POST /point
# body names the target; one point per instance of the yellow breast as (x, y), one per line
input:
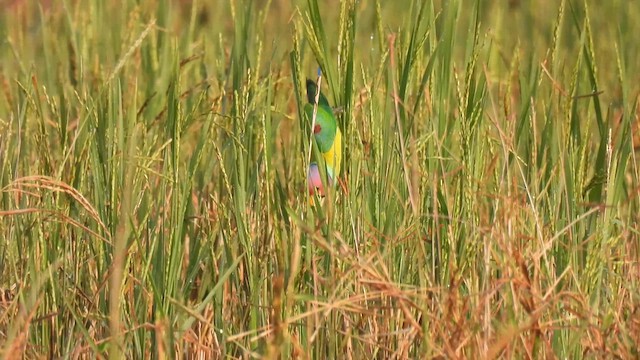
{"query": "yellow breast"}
(333, 157)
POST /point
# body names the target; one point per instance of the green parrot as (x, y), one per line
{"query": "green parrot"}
(328, 137)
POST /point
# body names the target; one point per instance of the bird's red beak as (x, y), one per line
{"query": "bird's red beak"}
(316, 129)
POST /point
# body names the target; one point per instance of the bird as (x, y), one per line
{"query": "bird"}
(328, 137)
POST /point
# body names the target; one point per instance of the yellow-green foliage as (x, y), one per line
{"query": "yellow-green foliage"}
(153, 157)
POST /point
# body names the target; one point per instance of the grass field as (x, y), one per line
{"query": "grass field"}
(153, 158)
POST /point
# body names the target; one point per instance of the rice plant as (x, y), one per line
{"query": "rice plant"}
(153, 180)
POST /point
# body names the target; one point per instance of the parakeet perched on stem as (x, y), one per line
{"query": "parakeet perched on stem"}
(328, 137)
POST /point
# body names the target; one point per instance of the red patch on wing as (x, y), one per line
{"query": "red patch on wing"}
(316, 129)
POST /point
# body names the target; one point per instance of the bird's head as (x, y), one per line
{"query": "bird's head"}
(312, 90)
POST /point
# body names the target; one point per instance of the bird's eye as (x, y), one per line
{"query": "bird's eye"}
(316, 129)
